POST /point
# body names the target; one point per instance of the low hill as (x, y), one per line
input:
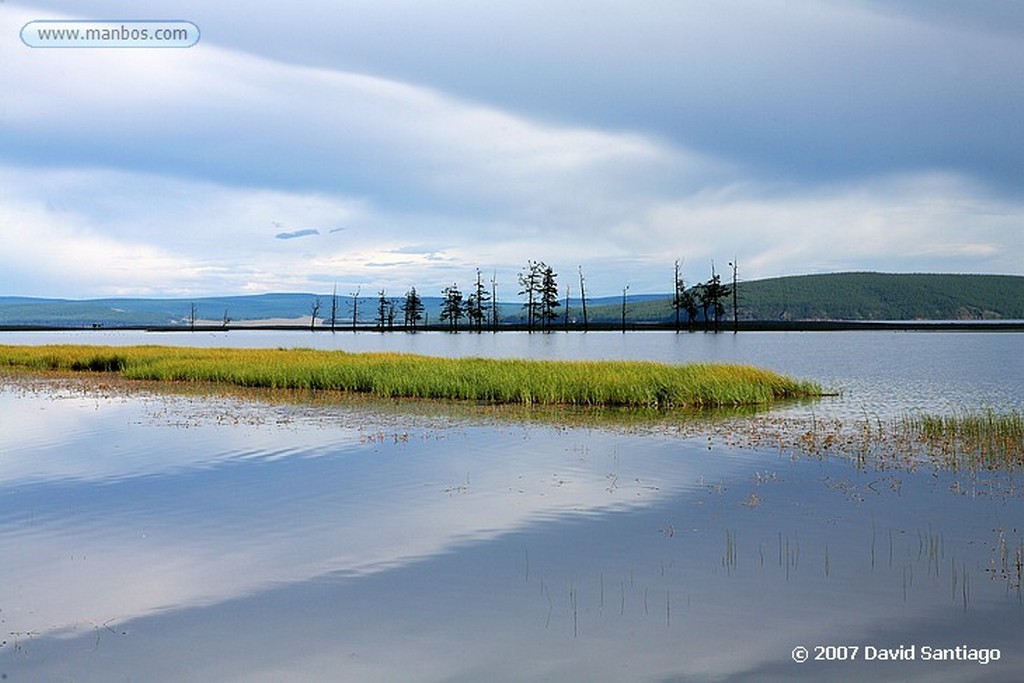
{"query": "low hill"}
(149, 312)
(882, 296)
(835, 296)
(858, 296)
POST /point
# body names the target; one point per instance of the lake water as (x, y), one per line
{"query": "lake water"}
(201, 537)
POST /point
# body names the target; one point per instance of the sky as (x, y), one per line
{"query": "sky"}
(385, 144)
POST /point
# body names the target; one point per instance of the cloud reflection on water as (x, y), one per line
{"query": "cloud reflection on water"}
(148, 508)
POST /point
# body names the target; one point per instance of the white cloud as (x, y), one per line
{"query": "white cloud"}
(170, 172)
(192, 238)
(106, 232)
(925, 222)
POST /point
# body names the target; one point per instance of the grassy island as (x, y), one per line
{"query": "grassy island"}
(591, 383)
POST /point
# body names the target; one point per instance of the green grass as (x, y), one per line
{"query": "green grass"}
(974, 439)
(528, 382)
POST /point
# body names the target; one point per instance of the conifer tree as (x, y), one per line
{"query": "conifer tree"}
(476, 303)
(688, 302)
(530, 280)
(412, 309)
(382, 310)
(548, 296)
(452, 307)
(712, 294)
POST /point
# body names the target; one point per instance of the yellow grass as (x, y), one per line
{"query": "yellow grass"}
(598, 383)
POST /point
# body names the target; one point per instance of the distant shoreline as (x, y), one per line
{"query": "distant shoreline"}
(724, 327)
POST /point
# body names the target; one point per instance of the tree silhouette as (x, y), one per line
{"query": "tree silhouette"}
(355, 307)
(548, 296)
(711, 297)
(452, 307)
(734, 264)
(476, 303)
(314, 311)
(412, 309)
(624, 290)
(678, 293)
(688, 301)
(382, 309)
(334, 308)
(707, 301)
(565, 313)
(494, 302)
(530, 281)
(702, 300)
(583, 299)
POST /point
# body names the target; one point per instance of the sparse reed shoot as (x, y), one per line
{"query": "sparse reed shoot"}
(972, 440)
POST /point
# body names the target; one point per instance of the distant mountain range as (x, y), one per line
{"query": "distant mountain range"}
(836, 296)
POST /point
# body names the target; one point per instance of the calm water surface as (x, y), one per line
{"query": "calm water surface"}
(157, 537)
(881, 372)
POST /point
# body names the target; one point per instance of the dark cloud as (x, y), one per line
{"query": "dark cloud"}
(297, 233)
(803, 92)
(811, 94)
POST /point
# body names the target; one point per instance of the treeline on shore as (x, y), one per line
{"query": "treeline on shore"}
(709, 305)
(806, 301)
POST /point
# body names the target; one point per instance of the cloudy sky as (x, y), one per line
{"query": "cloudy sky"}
(390, 143)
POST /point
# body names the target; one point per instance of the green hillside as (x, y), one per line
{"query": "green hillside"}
(884, 296)
(860, 296)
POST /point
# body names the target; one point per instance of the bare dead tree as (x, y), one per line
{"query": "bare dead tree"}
(355, 307)
(334, 307)
(735, 298)
(494, 302)
(583, 299)
(624, 290)
(567, 308)
(314, 311)
(678, 292)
